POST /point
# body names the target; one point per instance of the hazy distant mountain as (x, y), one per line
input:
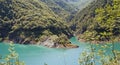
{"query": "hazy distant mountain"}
(66, 8)
(79, 4)
(59, 7)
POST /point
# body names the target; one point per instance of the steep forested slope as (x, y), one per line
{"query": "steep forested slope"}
(66, 8)
(82, 18)
(99, 21)
(62, 8)
(29, 21)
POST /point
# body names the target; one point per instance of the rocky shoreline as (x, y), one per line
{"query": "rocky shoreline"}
(57, 45)
(47, 43)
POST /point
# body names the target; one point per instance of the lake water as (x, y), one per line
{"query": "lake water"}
(38, 55)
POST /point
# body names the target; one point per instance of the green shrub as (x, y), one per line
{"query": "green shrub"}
(12, 58)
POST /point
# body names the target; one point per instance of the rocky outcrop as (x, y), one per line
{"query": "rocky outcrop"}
(51, 44)
(48, 42)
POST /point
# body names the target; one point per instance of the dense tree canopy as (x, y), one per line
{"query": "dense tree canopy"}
(102, 24)
(28, 20)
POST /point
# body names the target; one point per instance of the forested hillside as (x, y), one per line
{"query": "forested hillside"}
(29, 21)
(99, 21)
(44, 32)
(66, 9)
(60, 8)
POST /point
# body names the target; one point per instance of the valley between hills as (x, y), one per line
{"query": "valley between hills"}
(59, 32)
(53, 22)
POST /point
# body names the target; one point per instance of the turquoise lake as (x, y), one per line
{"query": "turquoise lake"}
(38, 55)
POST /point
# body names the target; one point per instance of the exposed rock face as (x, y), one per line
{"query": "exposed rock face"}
(48, 43)
(51, 44)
